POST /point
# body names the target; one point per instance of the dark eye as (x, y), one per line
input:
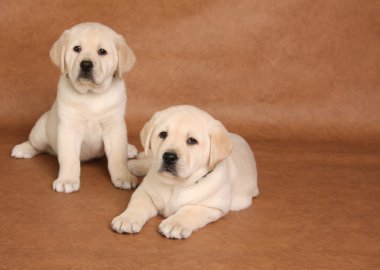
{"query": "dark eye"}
(191, 141)
(102, 52)
(163, 135)
(77, 49)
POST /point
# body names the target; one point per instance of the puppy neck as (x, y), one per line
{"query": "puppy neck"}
(204, 176)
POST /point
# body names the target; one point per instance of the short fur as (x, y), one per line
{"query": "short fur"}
(87, 117)
(213, 176)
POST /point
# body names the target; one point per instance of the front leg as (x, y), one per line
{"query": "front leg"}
(116, 148)
(69, 142)
(139, 210)
(188, 219)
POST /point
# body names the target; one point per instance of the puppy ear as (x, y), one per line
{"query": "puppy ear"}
(126, 57)
(57, 51)
(147, 131)
(221, 144)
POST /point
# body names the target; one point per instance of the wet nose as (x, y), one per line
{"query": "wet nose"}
(170, 158)
(86, 65)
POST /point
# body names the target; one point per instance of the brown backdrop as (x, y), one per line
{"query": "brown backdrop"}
(302, 74)
(301, 70)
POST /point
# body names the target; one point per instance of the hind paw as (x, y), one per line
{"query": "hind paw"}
(24, 150)
(132, 151)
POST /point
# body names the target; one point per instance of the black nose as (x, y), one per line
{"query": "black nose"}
(169, 158)
(86, 66)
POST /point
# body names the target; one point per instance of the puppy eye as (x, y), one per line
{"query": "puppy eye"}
(77, 49)
(191, 141)
(163, 135)
(102, 52)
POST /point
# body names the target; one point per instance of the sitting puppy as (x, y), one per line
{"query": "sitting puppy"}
(197, 173)
(87, 117)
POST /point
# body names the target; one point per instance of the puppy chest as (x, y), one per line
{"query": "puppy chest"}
(92, 144)
(168, 201)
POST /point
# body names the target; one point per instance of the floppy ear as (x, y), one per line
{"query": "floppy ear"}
(57, 51)
(126, 57)
(221, 145)
(147, 131)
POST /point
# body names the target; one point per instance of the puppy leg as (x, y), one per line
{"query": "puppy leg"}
(68, 147)
(188, 219)
(140, 209)
(37, 142)
(116, 148)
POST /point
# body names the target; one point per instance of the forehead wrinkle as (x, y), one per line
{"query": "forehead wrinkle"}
(182, 124)
(91, 36)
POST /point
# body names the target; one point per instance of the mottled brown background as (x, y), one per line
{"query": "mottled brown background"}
(299, 79)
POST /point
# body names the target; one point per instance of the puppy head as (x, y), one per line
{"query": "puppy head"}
(91, 54)
(186, 143)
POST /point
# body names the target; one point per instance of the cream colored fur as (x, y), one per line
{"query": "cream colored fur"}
(87, 117)
(212, 177)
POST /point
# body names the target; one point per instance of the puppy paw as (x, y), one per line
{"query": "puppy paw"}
(66, 186)
(126, 181)
(138, 167)
(141, 155)
(132, 151)
(126, 224)
(171, 228)
(24, 150)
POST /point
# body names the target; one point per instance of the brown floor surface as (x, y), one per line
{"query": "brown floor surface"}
(318, 209)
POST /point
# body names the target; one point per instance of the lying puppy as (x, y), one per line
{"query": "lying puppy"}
(198, 172)
(87, 117)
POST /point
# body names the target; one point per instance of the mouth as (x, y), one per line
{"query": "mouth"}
(85, 77)
(168, 169)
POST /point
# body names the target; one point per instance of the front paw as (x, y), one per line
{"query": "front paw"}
(125, 180)
(172, 228)
(126, 224)
(66, 186)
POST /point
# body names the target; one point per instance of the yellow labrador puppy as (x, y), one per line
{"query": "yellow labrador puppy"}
(87, 117)
(196, 174)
